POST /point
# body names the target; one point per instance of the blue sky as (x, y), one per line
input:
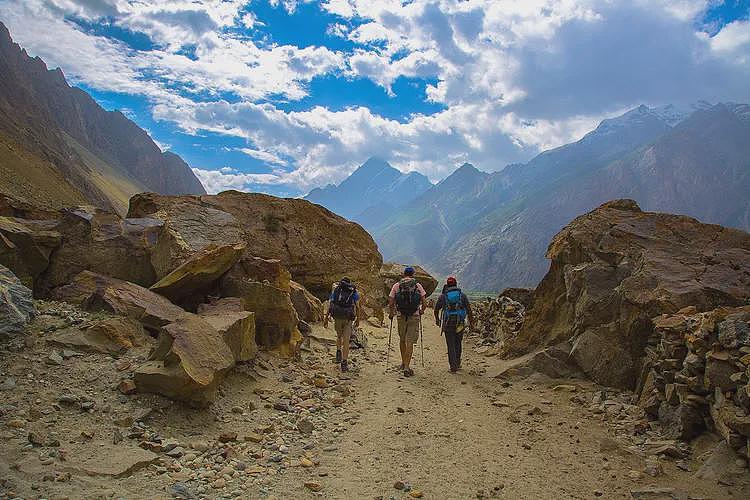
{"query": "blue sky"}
(281, 96)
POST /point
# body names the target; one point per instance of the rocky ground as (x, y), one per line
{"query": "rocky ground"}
(297, 429)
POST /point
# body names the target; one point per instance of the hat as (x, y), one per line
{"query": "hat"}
(346, 280)
(409, 271)
(451, 281)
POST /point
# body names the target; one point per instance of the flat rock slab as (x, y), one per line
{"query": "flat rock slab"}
(96, 458)
(85, 340)
(107, 460)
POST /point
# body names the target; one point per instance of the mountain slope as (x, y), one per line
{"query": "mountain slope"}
(700, 168)
(431, 226)
(374, 189)
(59, 147)
(496, 233)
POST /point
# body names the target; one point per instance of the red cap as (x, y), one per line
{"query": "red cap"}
(451, 281)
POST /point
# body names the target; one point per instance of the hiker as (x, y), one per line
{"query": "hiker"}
(342, 307)
(408, 298)
(455, 309)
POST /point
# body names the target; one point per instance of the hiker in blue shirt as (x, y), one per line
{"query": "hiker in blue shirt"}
(342, 307)
(455, 308)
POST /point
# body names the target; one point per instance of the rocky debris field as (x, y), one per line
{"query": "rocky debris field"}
(72, 427)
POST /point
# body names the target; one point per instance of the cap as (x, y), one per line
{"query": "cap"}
(409, 271)
(451, 281)
(346, 280)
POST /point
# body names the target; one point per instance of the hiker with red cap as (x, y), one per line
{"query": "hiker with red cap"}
(451, 311)
(408, 298)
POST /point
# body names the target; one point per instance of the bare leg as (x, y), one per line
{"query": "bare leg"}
(344, 343)
(407, 352)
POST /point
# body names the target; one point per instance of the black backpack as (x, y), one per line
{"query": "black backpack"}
(408, 297)
(342, 301)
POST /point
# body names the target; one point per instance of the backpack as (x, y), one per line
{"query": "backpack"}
(454, 311)
(408, 297)
(342, 301)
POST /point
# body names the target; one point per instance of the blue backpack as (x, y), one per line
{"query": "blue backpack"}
(454, 311)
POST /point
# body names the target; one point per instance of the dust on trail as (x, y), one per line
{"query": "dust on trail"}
(463, 435)
(451, 441)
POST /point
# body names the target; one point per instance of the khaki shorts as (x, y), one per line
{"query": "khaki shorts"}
(343, 327)
(408, 328)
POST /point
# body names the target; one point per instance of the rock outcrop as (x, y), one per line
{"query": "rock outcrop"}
(264, 287)
(697, 370)
(102, 242)
(193, 355)
(26, 245)
(307, 305)
(616, 268)
(498, 320)
(315, 245)
(391, 272)
(16, 304)
(190, 281)
(236, 325)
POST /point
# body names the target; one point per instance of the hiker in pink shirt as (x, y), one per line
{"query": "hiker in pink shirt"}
(408, 298)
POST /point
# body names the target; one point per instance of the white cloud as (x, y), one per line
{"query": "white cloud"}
(223, 64)
(216, 181)
(263, 156)
(733, 39)
(514, 76)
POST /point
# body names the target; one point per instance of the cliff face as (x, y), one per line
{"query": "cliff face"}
(615, 269)
(315, 245)
(60, 148)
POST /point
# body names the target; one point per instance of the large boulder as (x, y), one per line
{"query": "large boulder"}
(315, 245)
(109, 335)
(236, 325)
(617, 267)
(25, 247)
(192, 356)
(102, 242)
(390, 273)
(275, 317)
(16, 304)
(94, 291)
(195, 276)
(307, 305)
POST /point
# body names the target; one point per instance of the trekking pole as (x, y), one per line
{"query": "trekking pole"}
(421, 338)
(388, 354)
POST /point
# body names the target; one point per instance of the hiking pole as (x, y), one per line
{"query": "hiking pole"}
(388, 354)
(421, 338)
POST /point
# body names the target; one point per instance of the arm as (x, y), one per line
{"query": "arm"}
(392, 301)
(438, 306)
(423, 302)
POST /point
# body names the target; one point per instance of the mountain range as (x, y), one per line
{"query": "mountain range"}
(491, 229)
(374, 189)
(59, 148)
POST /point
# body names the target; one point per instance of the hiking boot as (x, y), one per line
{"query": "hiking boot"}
(454, 369)
(400, 367)
(344, 366)
(338, 355)
(408, 372)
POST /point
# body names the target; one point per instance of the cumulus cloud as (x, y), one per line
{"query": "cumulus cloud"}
(513, 77)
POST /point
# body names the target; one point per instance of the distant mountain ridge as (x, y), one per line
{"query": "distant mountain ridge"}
(371, 191)
(59, 147)
(492, 229)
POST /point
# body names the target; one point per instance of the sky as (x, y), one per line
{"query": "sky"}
(281, 96)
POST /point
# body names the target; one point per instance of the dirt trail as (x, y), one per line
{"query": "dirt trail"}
(67, 432)
(452, 442)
